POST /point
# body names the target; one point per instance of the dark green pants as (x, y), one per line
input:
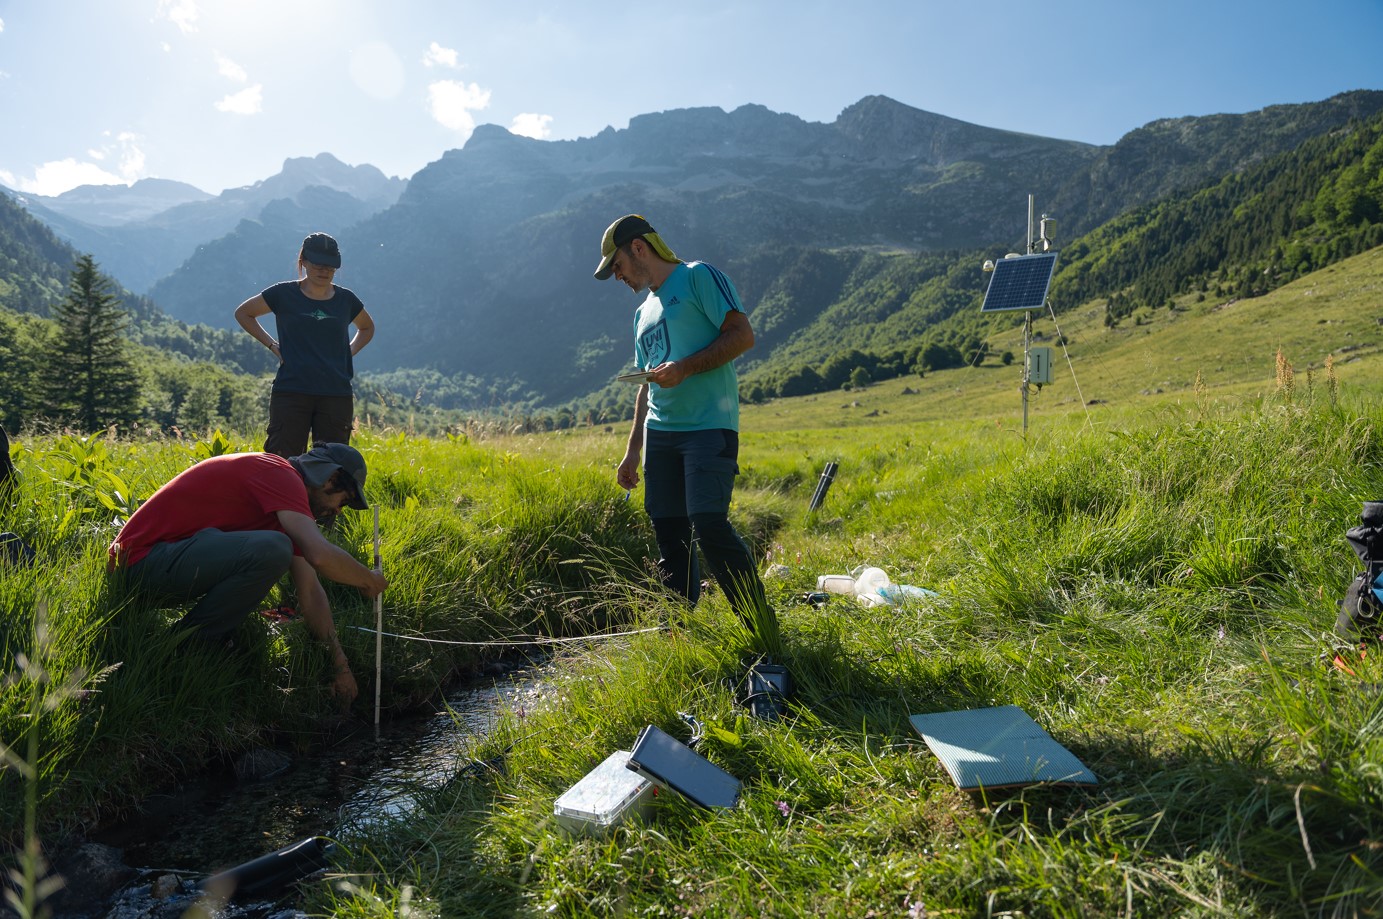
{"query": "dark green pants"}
(227, 575)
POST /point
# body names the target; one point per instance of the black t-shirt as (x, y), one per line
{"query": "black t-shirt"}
(314, 339)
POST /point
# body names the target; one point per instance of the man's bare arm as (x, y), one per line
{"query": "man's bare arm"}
(627, 474)
(316, 613)
(329, 560)
(736, 337)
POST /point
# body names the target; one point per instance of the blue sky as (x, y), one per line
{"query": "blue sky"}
(218, 93)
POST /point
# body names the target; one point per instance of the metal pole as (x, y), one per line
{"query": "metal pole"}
(1027, 335)
(379, 624)
(1030, 247)
(1027, 365)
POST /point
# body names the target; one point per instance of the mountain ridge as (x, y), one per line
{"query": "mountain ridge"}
(139, 252)
(480, 269)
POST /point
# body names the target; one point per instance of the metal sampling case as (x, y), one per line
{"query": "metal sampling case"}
(607, 795)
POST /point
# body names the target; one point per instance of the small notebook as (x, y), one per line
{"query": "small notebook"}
(638, 376)
(999, 748)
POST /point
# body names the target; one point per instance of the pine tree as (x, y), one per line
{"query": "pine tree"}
(89, 380)
(17, 363)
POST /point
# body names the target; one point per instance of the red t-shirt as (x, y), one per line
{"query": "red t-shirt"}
(232, 493)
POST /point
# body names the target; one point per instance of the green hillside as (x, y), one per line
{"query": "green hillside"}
(1153, 358)
(1239, 237)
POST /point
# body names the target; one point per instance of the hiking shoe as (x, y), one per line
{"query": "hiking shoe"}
(279, 614)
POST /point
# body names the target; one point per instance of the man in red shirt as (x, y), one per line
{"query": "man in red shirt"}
(223, 532)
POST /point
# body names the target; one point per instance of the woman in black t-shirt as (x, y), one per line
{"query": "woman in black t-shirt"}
(315, 348)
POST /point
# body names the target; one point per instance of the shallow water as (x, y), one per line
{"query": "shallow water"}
(217, 822)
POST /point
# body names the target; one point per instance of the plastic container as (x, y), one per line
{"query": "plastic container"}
(871, 581)
(902, 593)
(606, 796)
(836, 583)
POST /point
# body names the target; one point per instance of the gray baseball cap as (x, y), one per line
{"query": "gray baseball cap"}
(321, 462)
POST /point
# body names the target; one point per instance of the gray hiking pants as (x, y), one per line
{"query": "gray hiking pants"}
(227, 574)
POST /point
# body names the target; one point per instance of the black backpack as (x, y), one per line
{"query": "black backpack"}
(1360, 609)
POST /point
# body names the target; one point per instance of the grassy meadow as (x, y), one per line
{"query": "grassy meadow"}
(1152, 577)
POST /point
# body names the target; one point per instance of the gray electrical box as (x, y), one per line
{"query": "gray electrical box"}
(1040, 366)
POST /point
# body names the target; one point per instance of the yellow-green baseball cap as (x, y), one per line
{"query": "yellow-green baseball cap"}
(624, 231)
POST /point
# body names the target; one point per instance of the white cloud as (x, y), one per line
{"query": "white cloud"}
(2, 25)
(131, 157)
(230, 69)
(529, 124)
(437, 56)
(249, 101)
(451, 104)
(58, 176)
(182, 13)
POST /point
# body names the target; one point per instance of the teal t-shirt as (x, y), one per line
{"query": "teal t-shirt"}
(680, 318)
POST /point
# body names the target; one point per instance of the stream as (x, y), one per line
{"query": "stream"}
(218, 821)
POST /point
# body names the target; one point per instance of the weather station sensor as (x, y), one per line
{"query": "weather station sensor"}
(1040, 366)
(1019, 283)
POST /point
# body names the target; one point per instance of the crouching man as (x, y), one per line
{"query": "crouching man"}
(223, 532)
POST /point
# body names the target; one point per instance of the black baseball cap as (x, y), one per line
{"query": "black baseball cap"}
(321, 249)
(320, 463)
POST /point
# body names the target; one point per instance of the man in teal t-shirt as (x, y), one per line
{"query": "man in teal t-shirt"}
(687, 333)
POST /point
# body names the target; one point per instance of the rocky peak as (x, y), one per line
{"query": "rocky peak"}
(365, 182)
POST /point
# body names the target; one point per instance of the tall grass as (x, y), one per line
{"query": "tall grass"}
(1158, 597)
(1158, 594)
(479, 545)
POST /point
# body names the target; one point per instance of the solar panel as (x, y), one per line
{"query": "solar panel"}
(1019, 283)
